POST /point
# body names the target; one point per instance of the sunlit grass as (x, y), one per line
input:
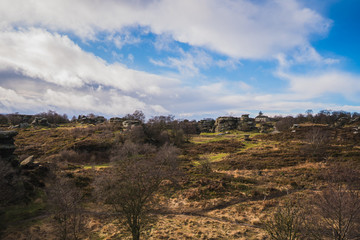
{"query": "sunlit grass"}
(214, 137)
(96, 166)
(215, 157)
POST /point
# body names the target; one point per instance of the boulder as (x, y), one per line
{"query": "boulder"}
(206, 125)
(7, 146)
(90, 119)
(24, 125)
(39, 121)
(128, 124)
(8, 134)
(116, 120)
(28, 162)
(223, 124)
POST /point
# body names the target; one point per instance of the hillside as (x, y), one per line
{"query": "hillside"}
(226, 187)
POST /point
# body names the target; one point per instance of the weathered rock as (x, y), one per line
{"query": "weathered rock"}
(39, 121)
(354, 120)
(223, 124)
(24, 125)
(341, 122)
(246, 126)
(245, 117)
(128, 124)
(206, 125)
(30, 174)
(265, 128)
(28, 162)
(116, 120)
(7, 146)
(8, 134)
(90, 119)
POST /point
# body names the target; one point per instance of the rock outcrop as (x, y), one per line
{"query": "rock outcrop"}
(116, 120)
(28, 174)
(90, 119)
(39, 121)
(128, 124)
(206, 125)
(223, 124)
(7, 146)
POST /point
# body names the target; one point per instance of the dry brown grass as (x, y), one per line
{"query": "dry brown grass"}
(247, 182)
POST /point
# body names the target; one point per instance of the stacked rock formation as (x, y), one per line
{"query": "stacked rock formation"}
(7, 146)
(39, 121)
(129, 124)
(206, 125)
(91, 119)
(223, 124)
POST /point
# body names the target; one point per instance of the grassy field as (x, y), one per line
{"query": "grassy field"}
(229, 186)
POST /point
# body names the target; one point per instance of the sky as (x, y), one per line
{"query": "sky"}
(190, 58)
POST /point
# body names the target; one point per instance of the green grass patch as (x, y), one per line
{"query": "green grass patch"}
(106, 165)
(248, 145)
(215, 157)
(214, 137)
(208, 134)
(207, 139)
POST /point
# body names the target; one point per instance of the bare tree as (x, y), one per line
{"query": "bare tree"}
(335, 214)
(137, 115)
(286, 223)
(285, 123)
(335, 211)
(318, 140)
(65, 201)
(135, 178)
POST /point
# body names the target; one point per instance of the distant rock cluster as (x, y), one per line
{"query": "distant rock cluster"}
(243, 123)
(90, 119)
(39, 121)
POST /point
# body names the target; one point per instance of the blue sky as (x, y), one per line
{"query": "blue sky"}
(192, 59)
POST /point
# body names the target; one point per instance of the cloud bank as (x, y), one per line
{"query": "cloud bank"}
(240, 29)
(42, 67)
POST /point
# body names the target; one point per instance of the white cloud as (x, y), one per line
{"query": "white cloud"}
(190, 63)
(229, 63)
(124, 38)
(76, 79)
(244, 86)
(54, 58)
(303, 55)
(239, 29)
(318, 84)
(9, 100)
(70, 79)
(130, 57)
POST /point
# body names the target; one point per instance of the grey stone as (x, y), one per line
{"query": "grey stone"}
(128, 124)
(206, 125)
(24, 125)
(223, 124)
(116, 120)
(8, 134)
(39, 121)
(27, 161)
